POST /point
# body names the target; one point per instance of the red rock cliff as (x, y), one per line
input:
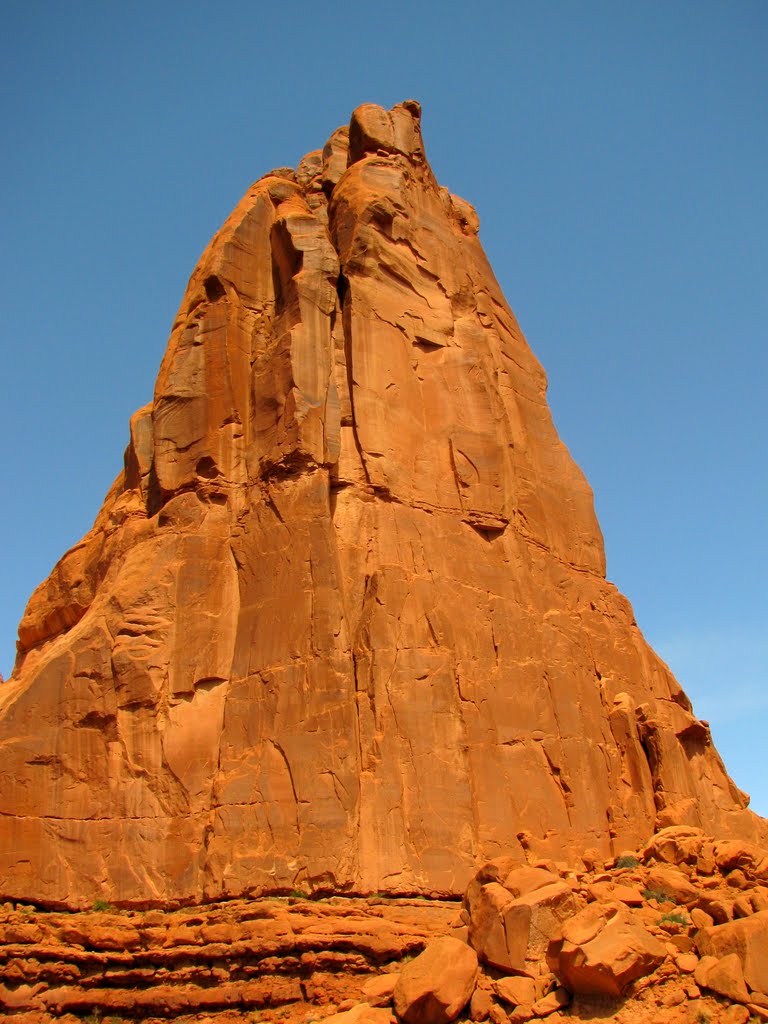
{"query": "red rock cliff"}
(342, 622)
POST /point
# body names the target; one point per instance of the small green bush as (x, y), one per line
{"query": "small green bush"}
(659, 895)
(674, 917)
(102, 906)
(627, 861)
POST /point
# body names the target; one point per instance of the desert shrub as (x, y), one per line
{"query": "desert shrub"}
(659, 895)
(102, 906)
(627, 861)
(674, 917)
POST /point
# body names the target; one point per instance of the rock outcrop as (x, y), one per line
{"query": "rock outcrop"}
(342, 622)
(619, 950)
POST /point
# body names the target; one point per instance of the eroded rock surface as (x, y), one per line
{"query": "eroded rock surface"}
(342, 622)
(290, 960)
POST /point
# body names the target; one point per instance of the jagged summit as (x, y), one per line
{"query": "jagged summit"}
(342, 622)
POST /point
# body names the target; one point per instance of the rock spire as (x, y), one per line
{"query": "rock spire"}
(342, 622)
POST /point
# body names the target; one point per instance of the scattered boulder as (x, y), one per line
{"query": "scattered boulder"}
(673, 883)
(748, 938)
(516, 990)
(523, 880)
(549, 907)
(480, 1004)
(363, 1013)
(726, 977)
(600, 954)
(677, 844)
(551, 1002)
(518, 920)
(379, 990)
(735, 853)
(498, 927)
(436, 986)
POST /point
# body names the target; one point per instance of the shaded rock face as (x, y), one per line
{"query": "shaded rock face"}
(342, 622)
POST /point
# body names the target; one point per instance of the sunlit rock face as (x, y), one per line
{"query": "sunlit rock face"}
(342, 622)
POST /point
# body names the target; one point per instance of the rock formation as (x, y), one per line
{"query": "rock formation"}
(342, 622)
(675, 933)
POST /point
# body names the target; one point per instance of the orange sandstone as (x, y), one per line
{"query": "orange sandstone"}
(342, 623)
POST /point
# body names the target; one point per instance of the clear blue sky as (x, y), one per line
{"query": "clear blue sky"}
(618, 156)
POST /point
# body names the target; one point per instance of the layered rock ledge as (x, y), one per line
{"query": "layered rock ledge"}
(674, 933)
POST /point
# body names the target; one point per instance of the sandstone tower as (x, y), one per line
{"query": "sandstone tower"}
(342, 621)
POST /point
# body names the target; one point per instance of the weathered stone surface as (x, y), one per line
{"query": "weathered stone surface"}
(436, 986)
(515, 990)
(342, 622)
(549, 908)
(523, 880)
(480, 1004)
(726, 977)
(673, 883)
(294, 960)
(498, 927)
(247, 954)
(619, 952)
(363, 1013)
(748, 938)
(379, 991)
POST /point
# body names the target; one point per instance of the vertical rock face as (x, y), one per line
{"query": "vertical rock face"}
(342, 622)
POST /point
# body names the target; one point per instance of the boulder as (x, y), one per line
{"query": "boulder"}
(600, 954)
(677, 886)
(436, 986)
(379, 991)
(480, 1004)
(498, 926)
(523, 880)
(676, 844)
(362, 1013)
(516, 990)
(550, 906)
(724, 976)
(748, 938)
(552, 1002)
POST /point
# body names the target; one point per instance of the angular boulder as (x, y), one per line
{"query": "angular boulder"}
(550, 906)
(436, 986)
(379, 990)
(674, 884)
(498, 926)
(363, 1013)
(600, 954)
(748, 939)
(726, 977)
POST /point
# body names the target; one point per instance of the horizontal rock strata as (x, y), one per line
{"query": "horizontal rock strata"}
(616, 949)
(342, 623)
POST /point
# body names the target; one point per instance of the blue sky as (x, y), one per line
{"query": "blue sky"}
(617, 156)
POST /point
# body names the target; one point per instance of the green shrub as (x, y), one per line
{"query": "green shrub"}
(627, 861)
(102, 906)
(659, 895)
(674, 917)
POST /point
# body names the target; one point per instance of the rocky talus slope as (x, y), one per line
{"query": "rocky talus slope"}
(676, 933)
(342, 623)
